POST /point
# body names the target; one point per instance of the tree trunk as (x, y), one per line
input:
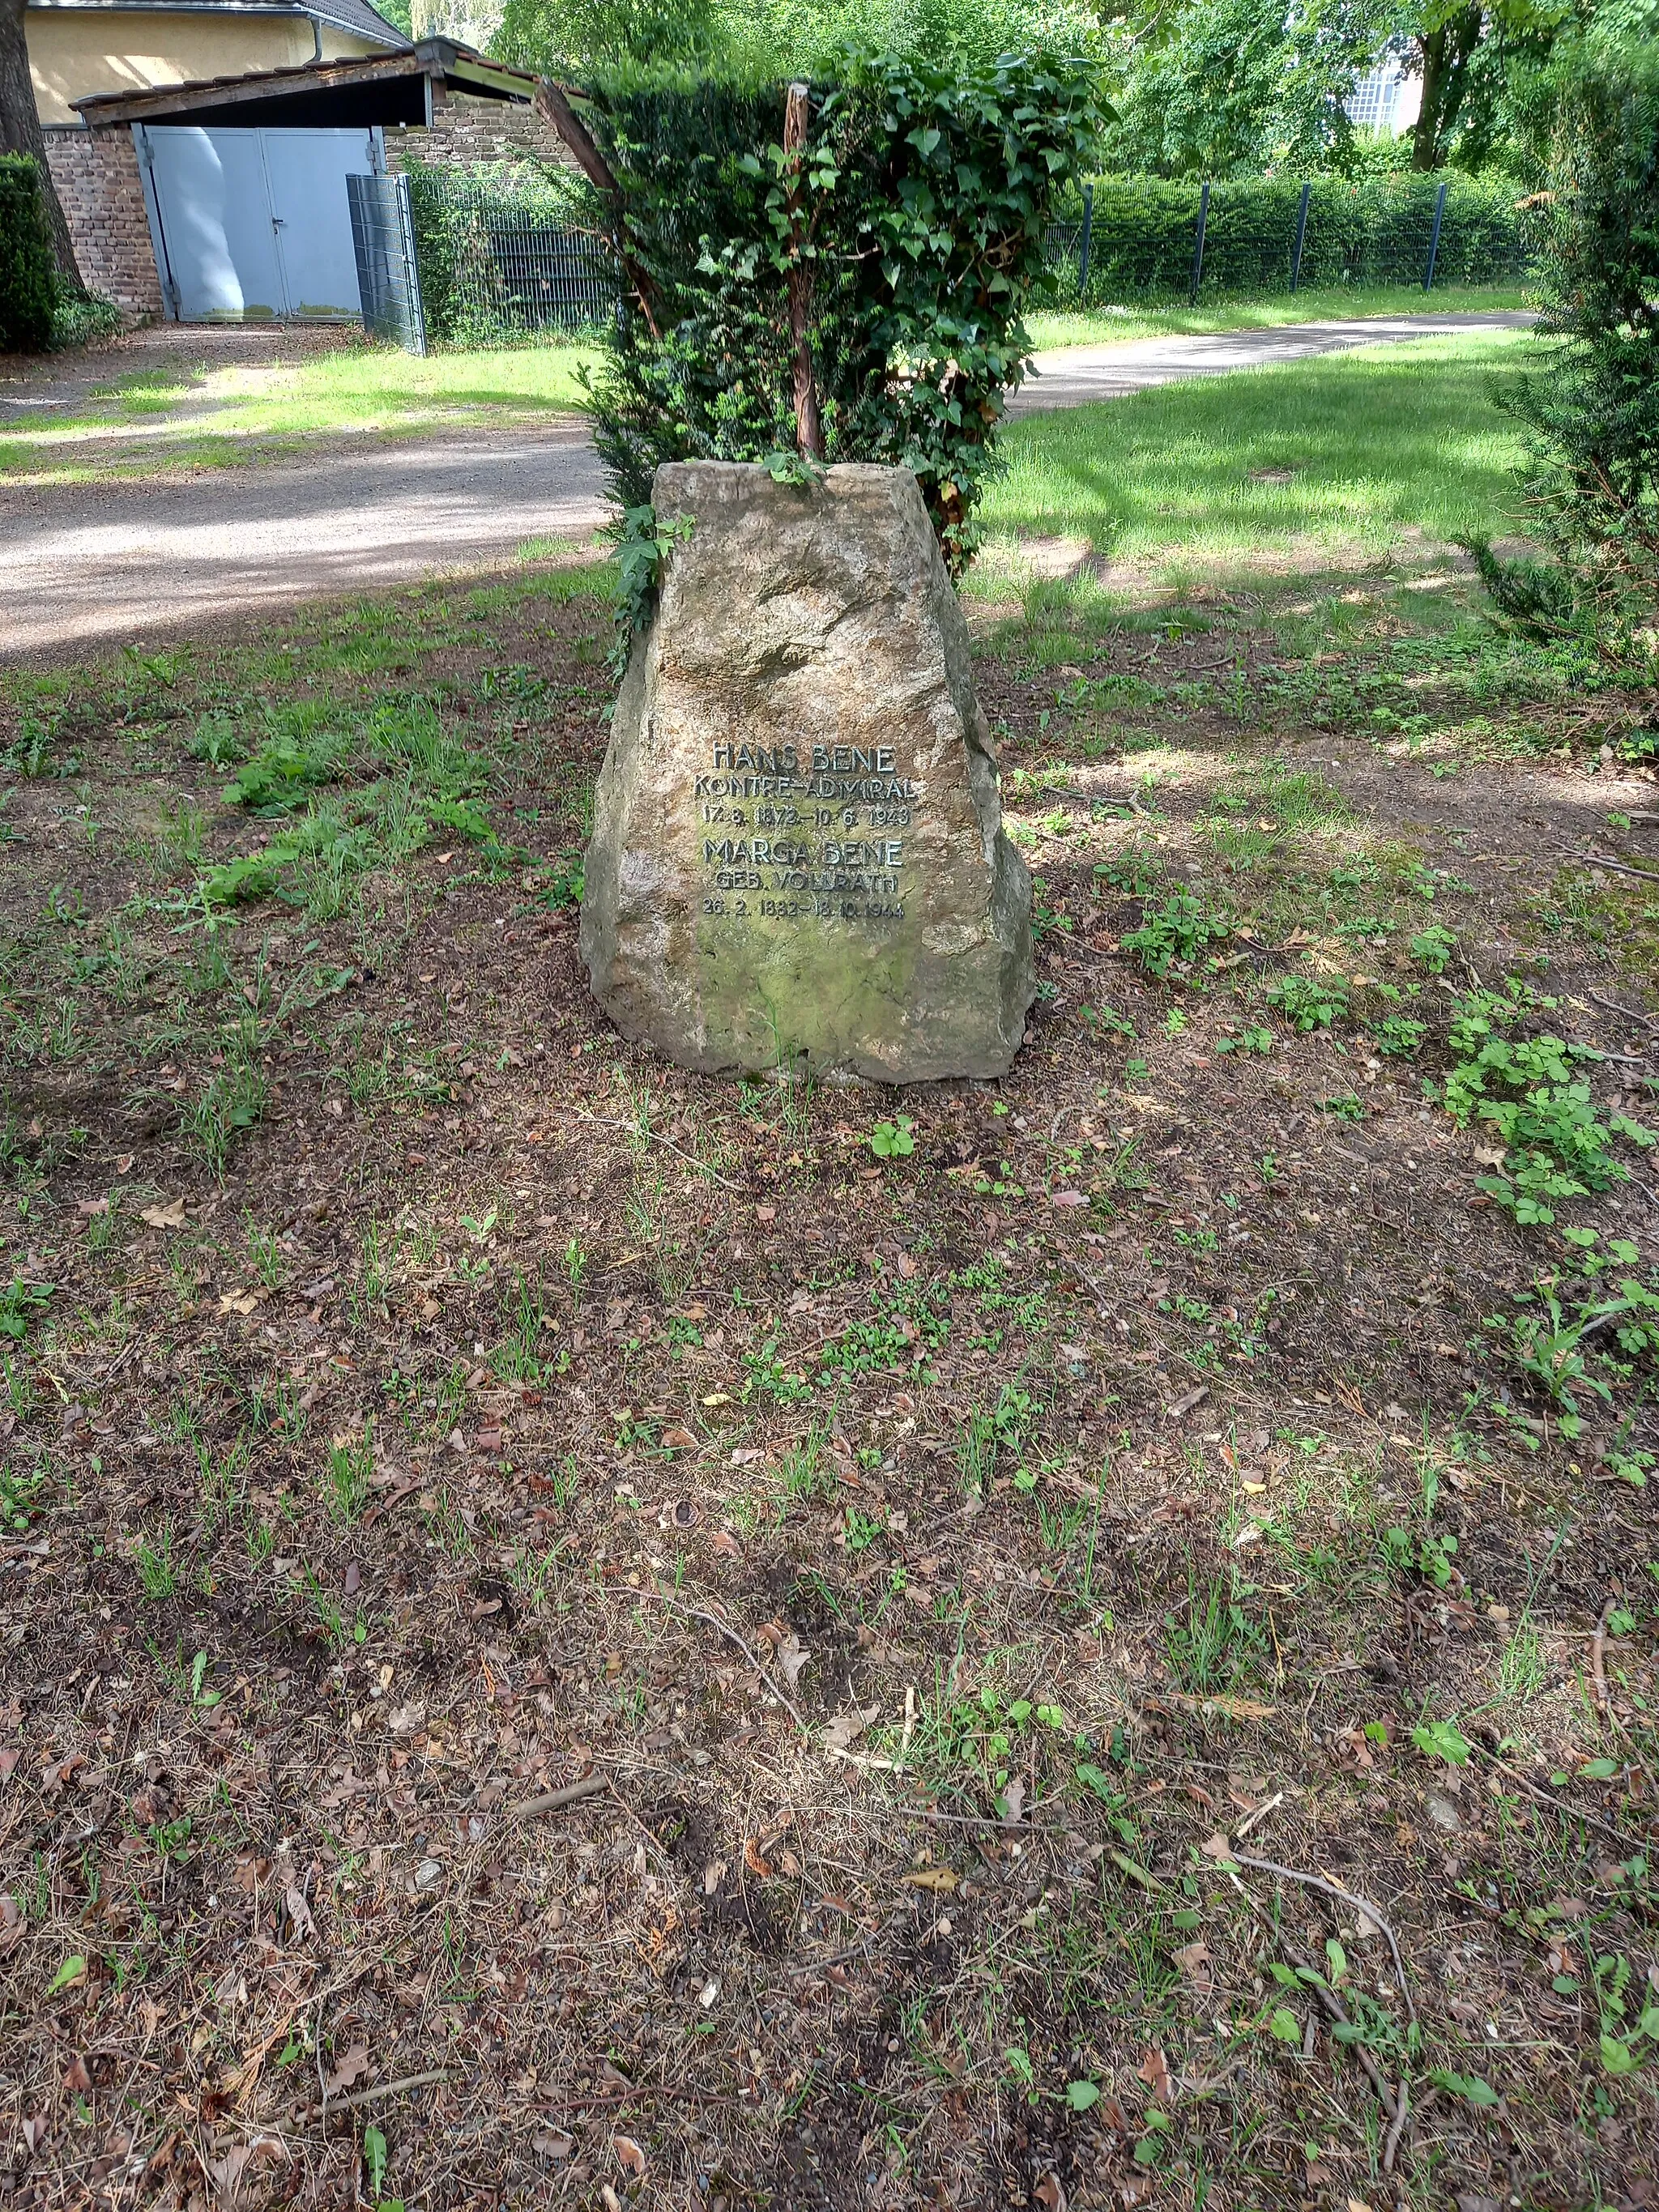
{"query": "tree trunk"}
(1445, 62)
(809, 427)
(20, 132)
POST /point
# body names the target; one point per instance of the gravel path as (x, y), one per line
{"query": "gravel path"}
(85, 565)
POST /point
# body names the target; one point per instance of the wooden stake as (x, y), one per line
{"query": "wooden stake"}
(809, 428)
(553, 105)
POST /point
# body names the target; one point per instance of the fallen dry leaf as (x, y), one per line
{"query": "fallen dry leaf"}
(1223, 1707)
(299, 1912)
(1154, 2071)
(847, 1728)
(1193, 1960)
(171, 1216)
(34, 2131)
(350, 2071)
(226, 2173)
(1049, 2194)
(553, 2142)
(792, 1656)
(629, 2155)
(938, 1878)
(76, 2077)
(678, 1440)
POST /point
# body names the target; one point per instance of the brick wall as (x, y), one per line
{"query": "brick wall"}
(466, 132)
(96, 173)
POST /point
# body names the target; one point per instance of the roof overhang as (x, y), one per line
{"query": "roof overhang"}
(364, 89)
(317, 11)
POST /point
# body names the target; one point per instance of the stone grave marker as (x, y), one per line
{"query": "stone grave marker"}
(798, 858)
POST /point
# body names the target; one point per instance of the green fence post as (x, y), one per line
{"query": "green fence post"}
(1434, 240)
(1301, 233)
(1198, 244)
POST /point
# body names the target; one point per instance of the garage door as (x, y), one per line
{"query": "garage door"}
(253, 225)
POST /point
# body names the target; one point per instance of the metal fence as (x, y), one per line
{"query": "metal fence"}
(388, 269)
(496, 267)
(1142, 238)
(459, 258)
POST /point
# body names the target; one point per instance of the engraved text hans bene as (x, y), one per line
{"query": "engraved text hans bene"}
(784, 833)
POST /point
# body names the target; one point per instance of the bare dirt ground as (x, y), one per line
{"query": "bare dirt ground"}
(570, 1633)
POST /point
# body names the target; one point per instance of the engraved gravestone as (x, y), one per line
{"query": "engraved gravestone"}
(798, 853)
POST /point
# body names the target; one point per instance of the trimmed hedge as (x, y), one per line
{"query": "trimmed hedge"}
(29, 268)
(873, 276)
(1369, 230)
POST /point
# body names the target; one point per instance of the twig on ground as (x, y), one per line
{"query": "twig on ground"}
(1402, 2114)
(1343, 1897)
(387, 2090)
(1617, 868)
(1599, 1658)
(1260, 1813)
(700, 1613)
(551, 1800)
(632, 1129)
(1326, 1996)
(1542, 1797)
(1628, 1013)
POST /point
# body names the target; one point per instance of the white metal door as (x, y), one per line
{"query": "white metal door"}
(218, 251)
(306, 172)
(253, 225)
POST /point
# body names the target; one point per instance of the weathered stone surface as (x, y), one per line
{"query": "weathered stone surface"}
(798, 853)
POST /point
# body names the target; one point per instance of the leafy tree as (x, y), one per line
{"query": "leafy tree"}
(1222, 87)
(1461, 49)
(1591, 416)
(584, 38)
(759, 41)
(20, 128)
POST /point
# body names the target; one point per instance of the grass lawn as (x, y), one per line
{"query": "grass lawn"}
(1336, 459)
(574, 1634)
(1108, 325)
(185, 412)
(199, 414)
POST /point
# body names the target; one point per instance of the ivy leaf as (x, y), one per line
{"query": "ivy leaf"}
(1082, 2095)
(1440, 1740)
(1469, 2087)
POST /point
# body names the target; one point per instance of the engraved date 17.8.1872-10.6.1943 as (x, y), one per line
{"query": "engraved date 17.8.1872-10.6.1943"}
(792, 833)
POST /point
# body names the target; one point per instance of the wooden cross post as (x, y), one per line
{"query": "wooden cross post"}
(809, 428)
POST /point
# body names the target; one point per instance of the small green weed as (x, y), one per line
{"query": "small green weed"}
(345, 1480)
(894, 1140)
(1308, 1002)
(1174, 934)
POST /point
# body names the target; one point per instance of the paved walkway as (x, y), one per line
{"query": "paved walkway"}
(1081, 373)
(85, 565)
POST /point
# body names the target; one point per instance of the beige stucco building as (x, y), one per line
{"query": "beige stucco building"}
(78, 47)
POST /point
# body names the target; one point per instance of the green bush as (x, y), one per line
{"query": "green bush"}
(28, 271)
(916, 214)
(1364, 230)
(1591, 414)
(81, 317)
(469, 230)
